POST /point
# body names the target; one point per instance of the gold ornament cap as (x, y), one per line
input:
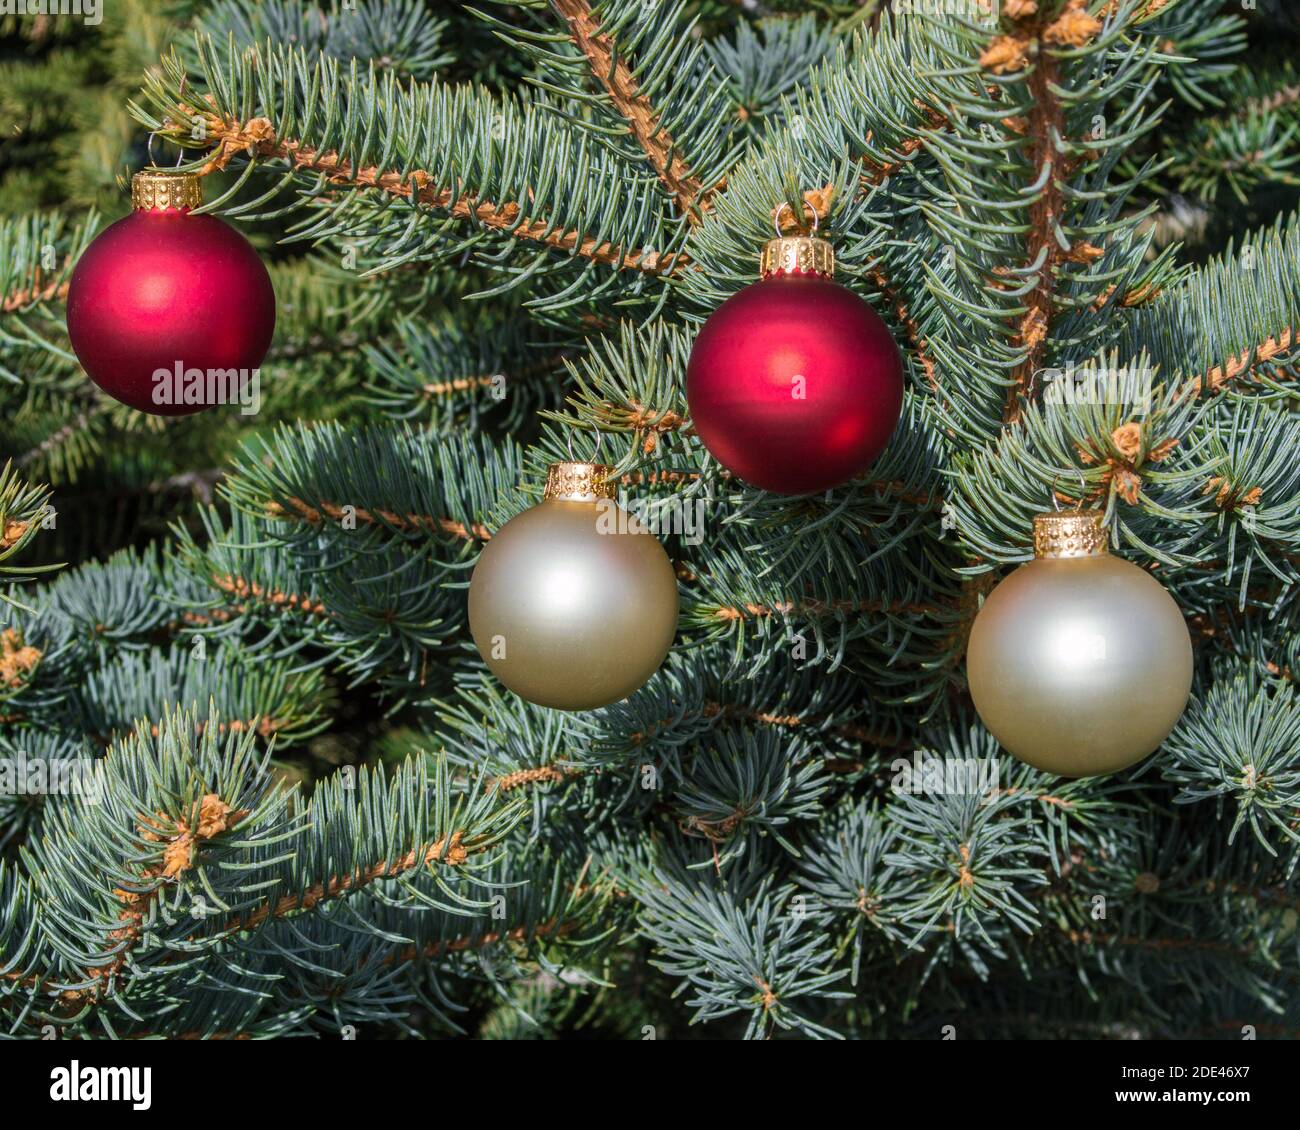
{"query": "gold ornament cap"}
(797, 254)
(578, 482)
(1070, 533)
(160, 191)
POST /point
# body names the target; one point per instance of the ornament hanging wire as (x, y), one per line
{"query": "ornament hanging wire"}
(1056, 499)
(776, 220)
(180, 153)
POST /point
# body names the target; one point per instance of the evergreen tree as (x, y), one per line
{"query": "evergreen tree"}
(304, 806)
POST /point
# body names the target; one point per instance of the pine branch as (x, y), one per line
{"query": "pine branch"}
(23, 507)
(449, 851)
(916, 339)
(208, 800)
(256, 136)
(37, 254)
(821, 608)
(1245, 305)
(52, 291)
(1043, 249)
(402, 36)
(1243, 366)
(1045, 128)
(613, 73)
(296, 508)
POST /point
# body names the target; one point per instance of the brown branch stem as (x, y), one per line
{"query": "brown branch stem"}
(257, 137)
(625, 92)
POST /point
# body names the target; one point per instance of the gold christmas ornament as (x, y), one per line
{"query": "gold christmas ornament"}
(1079, 662)
(571, 604)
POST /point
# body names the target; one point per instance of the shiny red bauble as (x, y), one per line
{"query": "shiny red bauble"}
(166, 292)
(795, 384)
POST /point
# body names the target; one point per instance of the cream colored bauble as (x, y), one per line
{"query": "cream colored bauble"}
(1079, 662)
(571, 604)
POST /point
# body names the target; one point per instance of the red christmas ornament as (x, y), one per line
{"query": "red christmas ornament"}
(170, 312)
(794, 383)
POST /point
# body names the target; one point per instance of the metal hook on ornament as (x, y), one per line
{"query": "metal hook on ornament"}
(1083, 490)
(180, 153)
(776, 220)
